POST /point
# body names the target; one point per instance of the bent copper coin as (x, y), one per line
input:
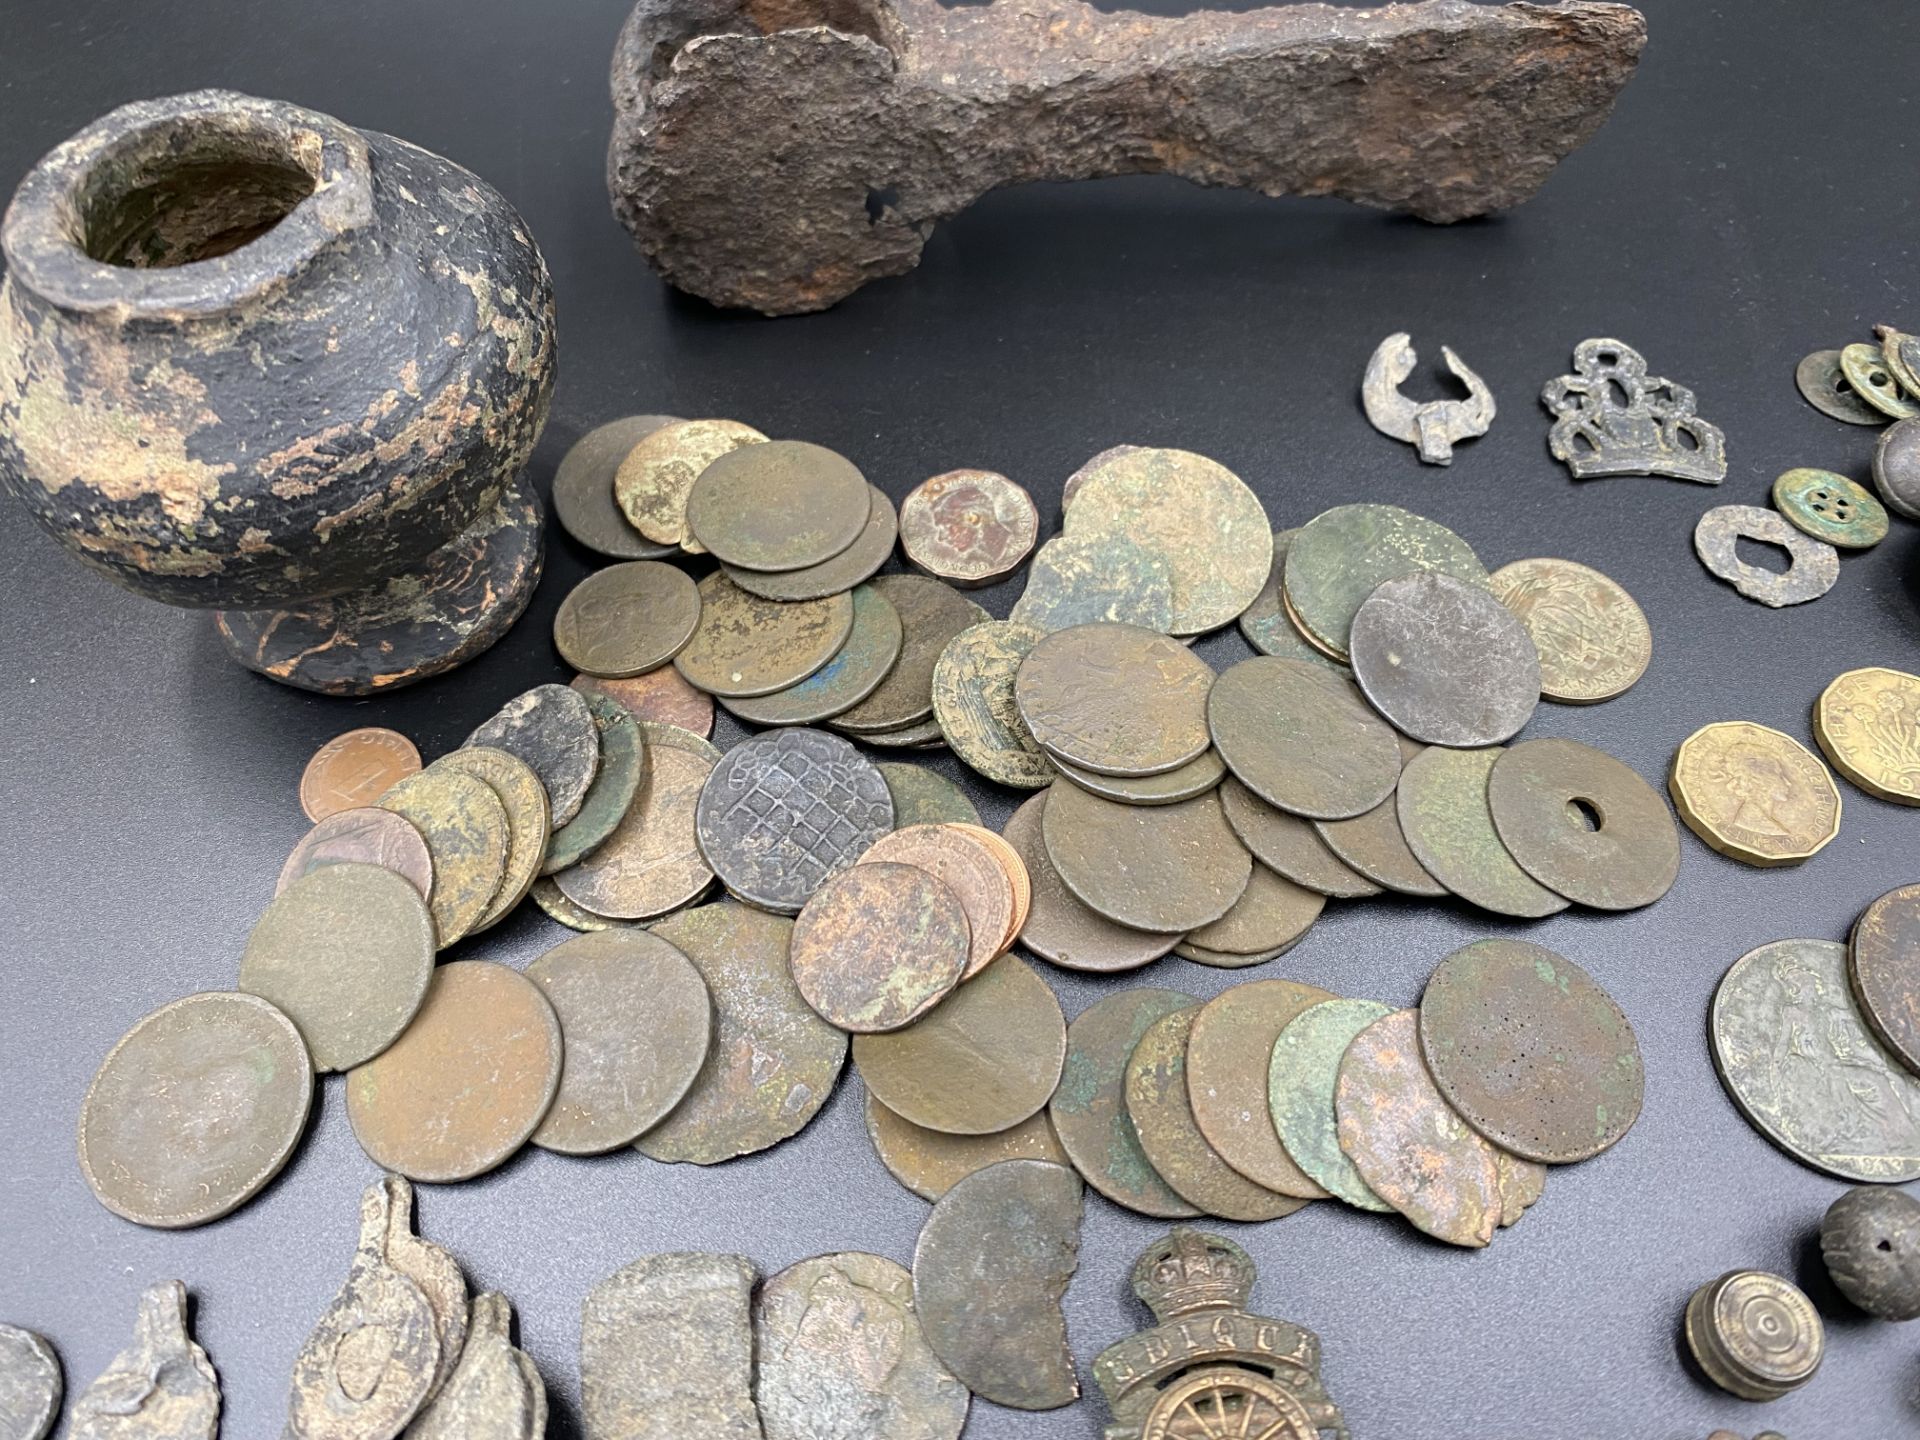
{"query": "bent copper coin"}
(1227, 959)
(1876, 382)
(194, 1110)
(855, 671)
(365, 836)
(583, 499)
(1592, 639)
(666, 1350)
(655, 477)
(1340, 557)
(850, 567)
(773, 1061)
(1445, 661)
(1267, 624)
(1301, 1079)
(652, 860)
(1896, 468)
(1075, 581)
(1301, 738)
(495, 1393)
(921, 797)
(626, 619)
(1814, 565)
(878, 946)
(1291, 846)
(1883, 970)
(1163, 1118)
(1831, 507)
(747, 646)
(345, 953)
(1089, 1107)
(551, 728)
(780, 814)
(1229, 1051)
(973, 699)
(529, 820)
(469, 1081)
(1531, 1051)
(1060, 927)
(354, 770)
(973, 873)
(661, 695)
(161, 1387)
(930, 1162)
(839, 1355)
(1196, 777)
(30, 1385)
(1115, 699)
(968, 527)
(1409, 1146)
(1448, 824)
(1269, 918)
(931, 613)
(986, 1058)
(989, 1272)
(1825, 386)
(1583, 824)
(623, 759)
(780, 506)
(549, 897)
(636, 1022)
(1162, 868)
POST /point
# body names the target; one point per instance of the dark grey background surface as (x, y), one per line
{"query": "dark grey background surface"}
(1753, 199)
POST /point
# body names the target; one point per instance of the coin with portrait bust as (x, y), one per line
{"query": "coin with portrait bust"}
(1754, 794)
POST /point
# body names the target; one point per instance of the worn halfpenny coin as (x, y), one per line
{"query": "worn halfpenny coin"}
(583, 500)
(1754, 794)
(1196, 777)
(973, 699)
(1341, 556)
(969, 527)
(1301, 738)
(1583, 824)
(931, 613)
(1228, 1055)
(1060, 926)
(651, 863)
(1443, 810)
(872, 649)
(366, 836)
(1374, 845)
(529, 821)
(781, 506)
(746, 646)
(354, 770)
(972, 870)
(1076, 581)
(627, 619)
(551, 728)
(1267, 625)
(879, 945)
(1302, 1075)
(1593, 640)
(1271, 916)
(654, 478)
(1883, 968)
(925, 797)
(850, 567)
(1115, 699)
(661, 695)
(931, 1162)
(1290, 846)
(1445, 661)
(1162, 868)
(623, 761)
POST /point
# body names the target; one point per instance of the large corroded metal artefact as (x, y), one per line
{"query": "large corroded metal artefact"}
(779, 154)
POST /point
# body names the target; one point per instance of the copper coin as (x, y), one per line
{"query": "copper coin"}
(1883, 971)
(626, 619)
(1583, 824)
(1340, 557)
(971, 871)
(781, 506)
(1089, 1109)
(1594, 641)
(524, 799)
(773, 1062)
(654, 479)
(930, 1163)
(353, 770)
(1079, 478)
(662, 695)
(858, 562)
(968, 527)
(1531, 1051)
(465, 827)
(1227, 959)
(652, 861)
(924, 735)
(922, 797)
(878, 946)
(468, 1082)
(1060, 927)
(1162, 1115)
(872, 647)
(748, 646)
(623, 761)
(549, 897)
(1077, 581)
(931, 613)
(1268, 624)
(1164, 868)
(1827, 389)
(1196, 777)
(1015, 870)
(1302, 738)
(1290, 846)
(1229, 1051)
(973, 699)
(985, 1058)
(583, 489)
(367, 836)
(1271, 916)
(1444, 814)
(1445, 661)
(1301, 1080)
(636, 1021)
(1374, 845)
(551, 728)
(1115, 699)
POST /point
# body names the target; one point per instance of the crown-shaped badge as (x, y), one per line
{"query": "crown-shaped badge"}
(1615, 419)
(1189, 1272)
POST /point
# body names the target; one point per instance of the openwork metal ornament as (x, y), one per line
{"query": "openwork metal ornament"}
(1435, 426)
(1615, 419)
(1209, 1369)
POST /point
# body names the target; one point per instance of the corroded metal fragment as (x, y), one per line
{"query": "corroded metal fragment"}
(1435, 425)
(162, 1387)
(30, 1385)
(495, 1393)
(1813, 569)
(1613, 418)
(666, 1351)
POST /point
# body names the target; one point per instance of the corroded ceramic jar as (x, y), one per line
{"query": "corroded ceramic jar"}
(254, 359)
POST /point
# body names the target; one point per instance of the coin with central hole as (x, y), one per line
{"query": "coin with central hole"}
(985, 1058)
(1831, 507)
(1301, 738)
(651, 863)
(1883, 968)
(627, 619)
(1161, 868)
(1445, 661)
(878, 946)
(1896, 468)
(745, 646)
(1593, 640)
(1531, 1051)
(781, 506)
(872, 647)
(1826, 388)
(969, 527)
(355, 769)
(1290, 846)
(1583, 824)
(849, 568)
(654, 478)
(973, 699)
(1301, 1079)
(369, 836)
(525, 801)
(465, 827)
(1340, 557)
(1813, 568)
(1060, 927)
(930, 1163)
(960, 860)
(931, 614)
(1444, 814)
(1873, 380)
(1115, 699)
(551, 728)
(1228, 1054)
(583, 489)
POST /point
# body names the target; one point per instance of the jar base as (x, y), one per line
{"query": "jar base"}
(453, 606)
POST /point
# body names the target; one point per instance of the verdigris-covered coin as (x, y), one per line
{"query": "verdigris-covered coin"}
(1229, 1051)
(355, 769)
(495, 1393)
(1184, 782)
(1826, 387)
(839, 1355)
(345, 953)
(550, 898)
(366, 836)
(1076, 581)
(1883, 969)
(529, 820)
(468, 1082)
(850, 567)
(1902, 354)
(1868, 724)
(1896, 468)
(1583, 824)
(1445, 661)
(773, 1061)
(969, 527)
(661, 695)
(465, 827)
(1115, 699)
(666, 1350)
(1089, 1108)
(879, 945)
(872, 647)
(989, 1272)
(1341, 556)
(1266, 623)
(635, 1022)
(161, 1387)
(30, 1385)
(1754, 794)
(1162, 868)
(1444, 814)
(654, 478)
(583, 498)
(1060, 926)
(781, 506)
(623, 759)
(1301, 1080)
(1813, 565)
(1870, 1241)
(1843, 1105)
(747, 646)
(1163, 1119)
(626, 619)
(1530, 1051)
(1755, 1335)
(1831, 507)
(973, 699)
(1093, 467)
(962, 861)
(1271, 916)
(1874, 381)
(551, 728)
(986, 1058)
(931, 1162)
(780, 814)
(652, 861)
(1302, 738)
(194, 1110)
(924, 797)
(1290, 846)
(1592, 639)
(931, 613)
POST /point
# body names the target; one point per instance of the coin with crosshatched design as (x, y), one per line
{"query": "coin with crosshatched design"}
(1868, 724)
(746, 646)
(551, 728)
(782, 506)
(850, 567)
(1754, 794)
(367, 836)
(1444, 660)
(355, 769)
(1340, 557)
(583, 489)
(1593, 640)
(653, 480)
(1301, 738)
(879, 945)
(1115, 699)
(1583, 824)
(1162, 868)
(1444, 815)
(627, 619)
(969, 527)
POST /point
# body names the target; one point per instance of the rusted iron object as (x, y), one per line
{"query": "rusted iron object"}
(779, 154)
